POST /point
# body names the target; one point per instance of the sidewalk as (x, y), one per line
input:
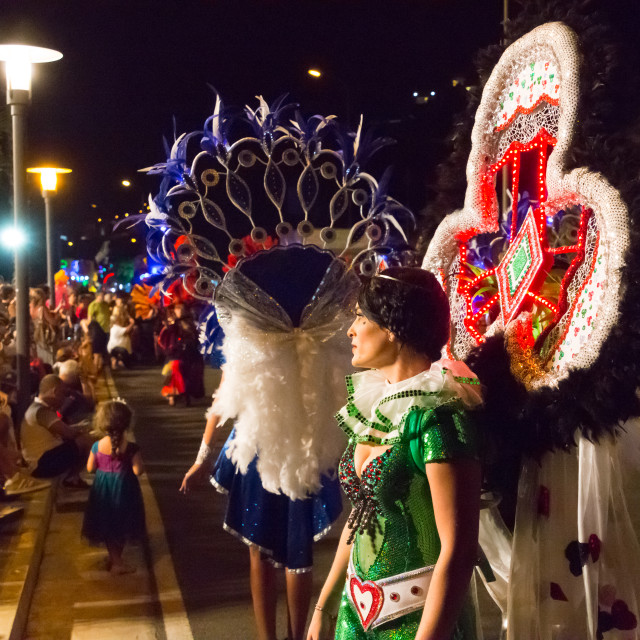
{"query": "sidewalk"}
(53, 585)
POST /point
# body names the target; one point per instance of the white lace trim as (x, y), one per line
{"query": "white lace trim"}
(371, 393)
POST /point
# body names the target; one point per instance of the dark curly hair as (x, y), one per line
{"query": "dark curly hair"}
(412, 305)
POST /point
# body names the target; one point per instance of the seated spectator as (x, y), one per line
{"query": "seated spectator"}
(62, 355)
(78, 406)
(16, 480)
(48, 443)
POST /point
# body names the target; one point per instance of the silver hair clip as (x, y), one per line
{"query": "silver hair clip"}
(121, 401)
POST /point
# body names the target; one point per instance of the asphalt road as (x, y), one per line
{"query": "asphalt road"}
(211, 566)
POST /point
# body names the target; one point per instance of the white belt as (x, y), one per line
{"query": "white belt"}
(378, 601)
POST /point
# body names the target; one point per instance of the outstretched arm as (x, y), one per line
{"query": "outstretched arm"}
(327, 608)
(455, 489)
(198, 470)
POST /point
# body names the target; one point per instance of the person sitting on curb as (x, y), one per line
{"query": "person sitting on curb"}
(77, 408)
(16, 479)
(48, 443)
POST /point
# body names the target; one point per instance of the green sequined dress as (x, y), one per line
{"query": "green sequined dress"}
(425, 421)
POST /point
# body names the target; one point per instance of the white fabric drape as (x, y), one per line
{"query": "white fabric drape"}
(574, 560)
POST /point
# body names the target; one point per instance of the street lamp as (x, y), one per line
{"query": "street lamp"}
(49, 181)
(18, 60)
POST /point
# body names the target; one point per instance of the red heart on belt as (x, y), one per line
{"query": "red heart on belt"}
(367, 598)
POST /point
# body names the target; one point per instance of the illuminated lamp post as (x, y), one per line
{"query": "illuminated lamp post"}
(18, 60)
(49, 181)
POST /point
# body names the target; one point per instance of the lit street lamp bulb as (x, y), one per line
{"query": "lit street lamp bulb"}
(19, 59)
(70, 243)
(49, 180)
(314, 72)
(48, 176)
(126, 183)
(133, 240)
(19, 70)
(12, 237)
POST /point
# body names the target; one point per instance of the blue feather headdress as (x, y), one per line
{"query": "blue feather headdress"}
(245, 183)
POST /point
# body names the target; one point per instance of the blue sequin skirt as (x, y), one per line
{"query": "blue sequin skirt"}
(283, 529)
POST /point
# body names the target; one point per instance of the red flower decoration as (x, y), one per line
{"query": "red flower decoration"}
(250, 247)
(594, 547)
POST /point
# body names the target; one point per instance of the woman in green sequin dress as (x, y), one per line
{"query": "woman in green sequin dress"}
(410, 471)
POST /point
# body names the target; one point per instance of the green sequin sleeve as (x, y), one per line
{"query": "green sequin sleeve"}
(445, 432)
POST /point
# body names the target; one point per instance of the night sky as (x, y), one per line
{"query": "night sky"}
(130, 67)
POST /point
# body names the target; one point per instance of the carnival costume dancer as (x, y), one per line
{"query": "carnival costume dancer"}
(284, 304)
(410, 470)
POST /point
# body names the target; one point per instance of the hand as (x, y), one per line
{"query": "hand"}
(195, 476)
(321, 627)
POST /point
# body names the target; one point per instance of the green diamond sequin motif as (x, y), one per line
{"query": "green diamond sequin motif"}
(519, 265)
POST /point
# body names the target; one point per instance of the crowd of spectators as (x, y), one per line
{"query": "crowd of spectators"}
(70, 344)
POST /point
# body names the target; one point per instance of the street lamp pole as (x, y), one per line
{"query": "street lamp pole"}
(18, 111)
(18, 61)
(49, 181)
(49, 240)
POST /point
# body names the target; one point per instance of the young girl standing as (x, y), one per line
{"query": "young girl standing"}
(115, 513)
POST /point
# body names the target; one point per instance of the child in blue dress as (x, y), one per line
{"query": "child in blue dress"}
(115, 513)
